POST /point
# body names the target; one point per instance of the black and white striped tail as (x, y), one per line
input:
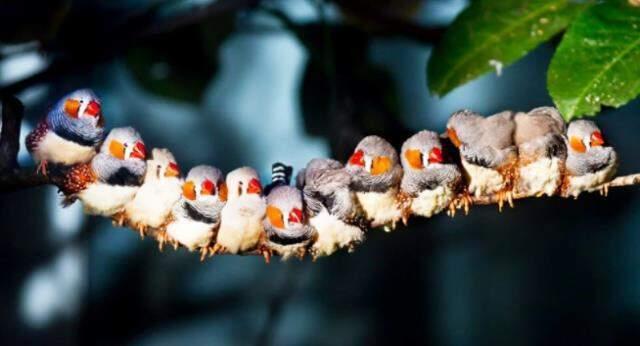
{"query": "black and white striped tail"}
(280, 175)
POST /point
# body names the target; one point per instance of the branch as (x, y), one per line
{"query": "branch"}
(12, 113)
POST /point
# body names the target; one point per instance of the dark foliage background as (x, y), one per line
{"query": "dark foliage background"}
(254, 82)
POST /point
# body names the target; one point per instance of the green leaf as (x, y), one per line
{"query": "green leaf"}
(494, 32)
(598, 61)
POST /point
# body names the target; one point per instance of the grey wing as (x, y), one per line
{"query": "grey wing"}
(592, 161)
(300, 179)
(321, 188)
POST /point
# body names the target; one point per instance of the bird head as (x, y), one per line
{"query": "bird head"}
(163, 164)
(204, 183)
(459, 124)
(373, 155)
(421, 150)
(285, 208)
(583, 135)
(243, 181)
(84, 105)
(124, 143)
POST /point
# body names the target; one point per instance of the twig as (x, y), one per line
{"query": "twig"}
(12, 113)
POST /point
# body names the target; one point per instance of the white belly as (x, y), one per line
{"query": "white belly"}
(540, 177)
(590, 182)
(333, 234)
(483, 181)
(153, 202)
(189, 233)
(241, 224)
(381, 209)
(106, 200)
(55, 149)
(431, 202)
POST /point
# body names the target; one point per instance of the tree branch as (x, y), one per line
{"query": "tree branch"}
(12, 113)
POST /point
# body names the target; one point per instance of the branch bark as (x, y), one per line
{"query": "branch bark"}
(12, 113)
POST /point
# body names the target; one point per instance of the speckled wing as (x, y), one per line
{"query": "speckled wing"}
(35, 137)
(76, 180)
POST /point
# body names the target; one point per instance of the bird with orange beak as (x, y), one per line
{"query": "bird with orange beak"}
(430, 183)
(375, 178)
(112, 178)
(196, 216)
(70, 133)
(591, 164)
(241, 227)
(160, 190)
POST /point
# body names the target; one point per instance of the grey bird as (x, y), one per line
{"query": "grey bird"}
(591, 164)
(542, 151)
(430, 183)
(375, 178)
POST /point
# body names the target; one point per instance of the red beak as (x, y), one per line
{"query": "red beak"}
(296, 216)
(435, 156)
(207, 187)
(93, 109)
(139, 151)
(596, 139)
(357, 159)
(254, 186)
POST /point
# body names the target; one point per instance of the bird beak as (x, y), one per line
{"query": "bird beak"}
(357, 159)
(189, 190)
(275, 216)
(596, 139)
(577, 145)
(173, 170)
(139, 151)
(117, 149)
(223, 192)
(71, 107)
(296, 216)
(254, 186)
(380, 165)
(93, 109)
(207, 188)
(435, 156)
(453, 137)
(414, 158)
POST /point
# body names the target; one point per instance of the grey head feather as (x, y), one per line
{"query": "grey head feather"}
(326, 187)
(538, 122)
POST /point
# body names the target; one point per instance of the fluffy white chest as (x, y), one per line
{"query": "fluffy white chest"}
(106, 200)
(333, 234)
(590, 182)
(241, 223)
(483, 181)
(153, 202)
(381, 208)
(542, 176)
(431, 202)
(189, 233)
(56, 149)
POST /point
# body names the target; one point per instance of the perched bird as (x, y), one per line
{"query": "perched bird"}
(160, 190)
(539, 136)
(330, 205)
(590, 163)
(487, 152)
(112, 178)
(288, 232)
(430, 184)
(70, 133)
(241, 227)
(375, 178)
(196, 216)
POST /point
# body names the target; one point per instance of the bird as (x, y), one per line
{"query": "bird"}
(112, 178)
(487, 152)
(591, 164)
(430, 184)
(241, 227)
(160, 191)
(286, 226)
(330, 205)
(375, 178)
(542, 152)
(195, 217)
(70, 133)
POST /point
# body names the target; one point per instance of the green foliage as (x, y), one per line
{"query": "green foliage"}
(494, 32)
(598, 61)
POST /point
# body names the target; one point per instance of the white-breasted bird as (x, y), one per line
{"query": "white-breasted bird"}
(330, 205)
(430, 184)
(591, 164)
(375, 178)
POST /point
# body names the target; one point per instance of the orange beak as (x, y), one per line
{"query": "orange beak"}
(453, 137)
(577, 145)
(357, 159)
(93, 109)
(254, 187)
(296, 216)
(207, 188)
(435, 156)
(139, 151)
(189, 190)
(173, 170)
(596, 139)
(71, 107)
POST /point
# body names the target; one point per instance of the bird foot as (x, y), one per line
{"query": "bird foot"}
(42, 168)
(266, 253)
(604, 189)
(505, 196)
(216, 249)
(464, 201)
(118, 219)
(141, 230)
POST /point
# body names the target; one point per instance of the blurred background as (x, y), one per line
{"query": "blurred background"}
(235, 82)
